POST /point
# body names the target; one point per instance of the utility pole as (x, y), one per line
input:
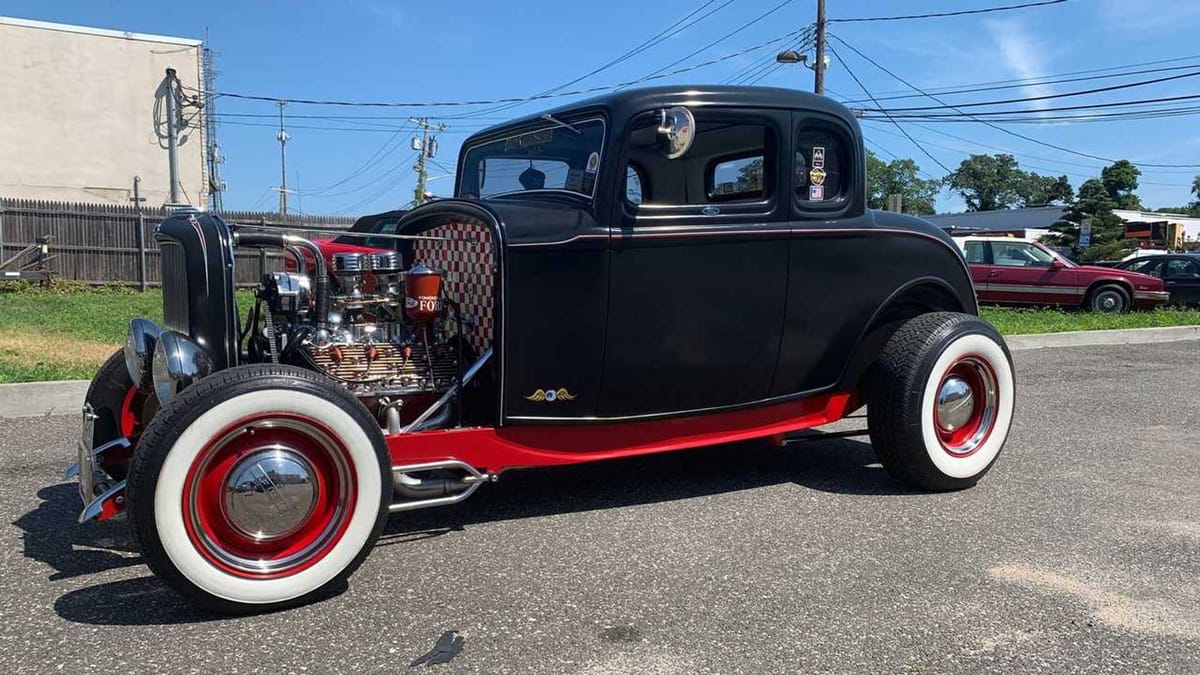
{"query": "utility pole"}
(137, 200)
(212, 148)
(282, 136)
(172, 84)
(426, 147)
(819, 66)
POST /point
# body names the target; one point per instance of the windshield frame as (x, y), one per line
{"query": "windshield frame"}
(588, 117)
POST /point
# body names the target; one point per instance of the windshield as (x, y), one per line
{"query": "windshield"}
(1042, 248)
(551, 158)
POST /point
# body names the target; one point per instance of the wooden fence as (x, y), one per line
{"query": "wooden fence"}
(103, 243)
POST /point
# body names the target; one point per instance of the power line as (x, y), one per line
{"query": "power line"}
(997, 127)
(1125, 67)
(1067, 94)
(938, 15)
(1073, 174)
(868, 93)
(371, 161)
(517, 99)
(665, 34)
(725, 37)
(1028, 82)
(1034, 111)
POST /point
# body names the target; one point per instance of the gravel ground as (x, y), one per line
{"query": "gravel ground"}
(1079, 552)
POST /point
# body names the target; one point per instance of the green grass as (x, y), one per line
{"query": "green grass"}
(66, 332)
(1023, 321)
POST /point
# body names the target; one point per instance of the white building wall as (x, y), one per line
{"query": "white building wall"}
(82, 113)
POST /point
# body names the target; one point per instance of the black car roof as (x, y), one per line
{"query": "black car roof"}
(623, 103)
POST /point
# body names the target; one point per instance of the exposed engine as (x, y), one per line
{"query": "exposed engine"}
(387, 332)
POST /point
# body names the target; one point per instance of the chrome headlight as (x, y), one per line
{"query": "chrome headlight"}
(178, 362)
(139, 349)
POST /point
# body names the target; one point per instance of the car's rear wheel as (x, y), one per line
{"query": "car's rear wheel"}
(1109, 299)
(940, 401)
(259, 487)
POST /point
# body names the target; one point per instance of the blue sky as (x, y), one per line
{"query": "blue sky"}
(403, 50)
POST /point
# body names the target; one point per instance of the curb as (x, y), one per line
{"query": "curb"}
(1087, 338)
(36, 399)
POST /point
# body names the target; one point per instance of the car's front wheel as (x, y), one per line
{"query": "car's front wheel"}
(258, 487)
(940, 401)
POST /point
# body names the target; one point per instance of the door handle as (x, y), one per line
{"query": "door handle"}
(994, 273)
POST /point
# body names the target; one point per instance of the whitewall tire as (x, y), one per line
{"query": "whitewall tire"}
(940, 401)
(259, 487)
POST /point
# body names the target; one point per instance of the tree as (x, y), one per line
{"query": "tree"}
(1094, 203)
(1044, 190)
(750, 177)
(987, 182)
(899, 177)
(1120, 180)
(1196, 191)
(991, 182)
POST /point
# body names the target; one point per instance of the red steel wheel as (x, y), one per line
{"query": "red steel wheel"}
(259, 487)
(940, 401)
(269, 496)
(966, 406)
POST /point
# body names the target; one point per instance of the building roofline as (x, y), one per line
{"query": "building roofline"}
(101, 32)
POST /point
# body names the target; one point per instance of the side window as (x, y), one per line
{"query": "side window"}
(728, 162)
(634, 194)
(737, 179)
(822, 164)
(1011, 254)
(975, 253)
(1147, 266)
(1182, 268)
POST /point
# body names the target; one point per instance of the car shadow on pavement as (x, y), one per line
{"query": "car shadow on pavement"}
(842, 466)
(52, 535)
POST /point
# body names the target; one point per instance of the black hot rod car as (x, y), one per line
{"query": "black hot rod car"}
(648, 271)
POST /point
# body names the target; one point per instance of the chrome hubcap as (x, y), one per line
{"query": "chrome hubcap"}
(270, 493)
(955, 404)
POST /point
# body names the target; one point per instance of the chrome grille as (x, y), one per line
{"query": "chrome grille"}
(174, 285)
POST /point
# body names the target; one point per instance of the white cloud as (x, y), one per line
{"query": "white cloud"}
(1137, 19)
(1023, 55)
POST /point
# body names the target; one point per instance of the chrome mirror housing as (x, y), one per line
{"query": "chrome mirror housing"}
(178, 362)
(676, 131)
(139, 349)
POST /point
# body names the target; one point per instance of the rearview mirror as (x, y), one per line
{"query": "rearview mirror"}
(676, 131)
(1058, 264)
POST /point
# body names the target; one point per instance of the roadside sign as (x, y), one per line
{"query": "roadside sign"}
(1085, 232)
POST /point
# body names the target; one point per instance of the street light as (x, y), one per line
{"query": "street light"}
(791, 56)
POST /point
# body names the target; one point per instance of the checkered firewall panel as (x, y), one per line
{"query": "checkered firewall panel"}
(467, 258)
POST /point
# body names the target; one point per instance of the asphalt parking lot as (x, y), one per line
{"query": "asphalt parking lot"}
(1079, 552)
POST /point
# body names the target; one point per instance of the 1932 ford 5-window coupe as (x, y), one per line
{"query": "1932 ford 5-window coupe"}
(644, 272)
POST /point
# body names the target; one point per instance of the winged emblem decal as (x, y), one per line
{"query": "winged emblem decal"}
(550, 395)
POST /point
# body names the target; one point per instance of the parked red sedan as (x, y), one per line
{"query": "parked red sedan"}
(1024, 272)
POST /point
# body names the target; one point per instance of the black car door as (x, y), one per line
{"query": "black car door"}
(699, 260)
(1182, 277)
